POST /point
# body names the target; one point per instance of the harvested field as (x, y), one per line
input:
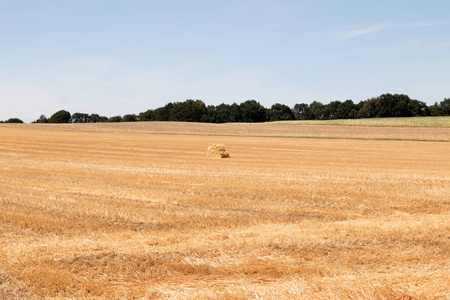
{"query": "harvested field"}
(314, 129)
(383, 122)
(93, 211)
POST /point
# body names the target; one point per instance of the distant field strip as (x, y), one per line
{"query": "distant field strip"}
(283, 129)
(106, 214)
(381, 122)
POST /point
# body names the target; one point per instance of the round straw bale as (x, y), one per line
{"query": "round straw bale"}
(217, 151)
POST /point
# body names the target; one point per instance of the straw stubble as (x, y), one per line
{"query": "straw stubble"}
(119, 215)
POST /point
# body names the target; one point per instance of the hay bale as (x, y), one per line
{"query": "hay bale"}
(217, 151)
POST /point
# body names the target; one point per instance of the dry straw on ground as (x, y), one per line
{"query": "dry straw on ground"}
(114, 215)
(217, 151)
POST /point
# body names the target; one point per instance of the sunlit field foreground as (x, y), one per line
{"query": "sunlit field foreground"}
(118, 215)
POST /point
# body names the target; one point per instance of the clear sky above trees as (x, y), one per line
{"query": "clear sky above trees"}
(110, 56)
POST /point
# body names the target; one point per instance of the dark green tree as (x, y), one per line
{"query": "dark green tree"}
(210, 115)
(330, 110)
(80, 118)
(445, 107)
(235, 114)
(14, 120)
(280, 112)
(225, 113)
(252, 111)
(386, 106)
(94, 118)
(401, 106)
(42, 119)
(188, 111)
(346, 110)
(369, 108)
(418, 108)
(393, 106)
(146, 116)
(163, 113)
(302, 111)
(435, 109)
(317, 110)
(62, 116)
(129, 118)
(115, 119)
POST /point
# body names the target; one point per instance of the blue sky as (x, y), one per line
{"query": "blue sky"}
(116, 57)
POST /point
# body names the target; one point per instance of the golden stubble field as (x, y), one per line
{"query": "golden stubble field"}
(121, 215)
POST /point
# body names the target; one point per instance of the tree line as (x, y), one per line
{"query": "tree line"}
(384, 106)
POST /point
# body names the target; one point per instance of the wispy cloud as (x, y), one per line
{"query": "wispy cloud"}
(367, 30)
(387, 26)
